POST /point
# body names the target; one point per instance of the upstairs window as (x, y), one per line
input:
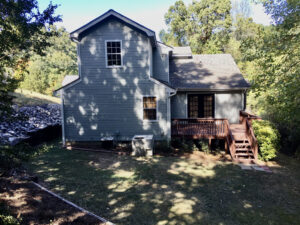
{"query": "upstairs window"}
(149, 108)
(113, 53)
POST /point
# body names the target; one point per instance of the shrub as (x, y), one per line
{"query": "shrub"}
(188, 146)
(162, 146)
(176, 142)
(297, 153)
(202, 145)
(268, 139)
(13, 156)
(6, 218)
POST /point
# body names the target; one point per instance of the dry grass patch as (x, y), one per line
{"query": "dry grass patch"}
(191, 189)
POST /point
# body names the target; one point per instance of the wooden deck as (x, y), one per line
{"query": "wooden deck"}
(199, 128)
(239, 138)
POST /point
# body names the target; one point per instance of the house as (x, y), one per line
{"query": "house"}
(129, 83)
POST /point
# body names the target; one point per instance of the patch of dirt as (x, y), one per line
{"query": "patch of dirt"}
(213, 157)
(36, 206)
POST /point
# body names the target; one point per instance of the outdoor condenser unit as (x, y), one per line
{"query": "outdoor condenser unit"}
(142, 145)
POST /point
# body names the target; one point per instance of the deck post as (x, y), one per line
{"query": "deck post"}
(209, 143)
(226, 146)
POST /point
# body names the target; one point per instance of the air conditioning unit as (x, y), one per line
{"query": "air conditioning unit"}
(142, 145)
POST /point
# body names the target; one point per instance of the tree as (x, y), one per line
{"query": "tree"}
(45, 73)
(177, 18)
(240, 8)
(276, 54)
(20, 33)
(242, 29)
(204, 25)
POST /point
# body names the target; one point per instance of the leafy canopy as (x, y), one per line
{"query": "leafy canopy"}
(20, 33)
(275, 51)
(45, 73)
(204, 25)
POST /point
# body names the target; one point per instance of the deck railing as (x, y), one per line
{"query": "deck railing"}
(204, 128)
(230, 140)
(199, 128)
(252, 140)
(247, 116)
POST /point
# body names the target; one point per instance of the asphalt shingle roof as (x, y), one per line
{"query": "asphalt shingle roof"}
(69, 79)
(182, 51)
(215, 71)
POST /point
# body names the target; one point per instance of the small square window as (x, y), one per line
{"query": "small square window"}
(114, 53)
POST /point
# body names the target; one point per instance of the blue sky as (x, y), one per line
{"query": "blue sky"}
(150, 13)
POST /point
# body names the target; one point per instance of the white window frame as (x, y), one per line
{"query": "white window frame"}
(121, 46)
(146, 120)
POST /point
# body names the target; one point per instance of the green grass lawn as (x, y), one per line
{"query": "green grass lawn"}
(25, 97)
(171, 190)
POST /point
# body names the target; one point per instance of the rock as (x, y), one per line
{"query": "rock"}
(35, 119)
(14, 140)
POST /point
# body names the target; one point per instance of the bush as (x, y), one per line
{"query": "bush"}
(297, 153)
(13, 156)
(268, 139)
(6, 218)
(176, 142)
(188, 146)
(162, 146)
(202, 145)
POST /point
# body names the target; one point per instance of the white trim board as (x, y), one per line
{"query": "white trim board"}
(144, 120)
(122, 55)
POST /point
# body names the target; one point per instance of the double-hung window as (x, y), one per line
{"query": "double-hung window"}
(149, 108)
(113, 53)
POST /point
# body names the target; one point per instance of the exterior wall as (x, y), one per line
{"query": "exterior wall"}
(108, 101)
(179, 105)
(227, 105)
(161, 63)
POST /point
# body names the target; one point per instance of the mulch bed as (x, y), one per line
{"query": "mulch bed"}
(36, 206)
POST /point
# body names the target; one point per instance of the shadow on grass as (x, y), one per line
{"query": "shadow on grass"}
(169, 190)
(30, 205)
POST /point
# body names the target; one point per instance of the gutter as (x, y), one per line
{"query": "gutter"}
(212, 89)
(171, 94)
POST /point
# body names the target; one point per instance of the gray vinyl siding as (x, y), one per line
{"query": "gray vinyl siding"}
(161, 64)
(179, 105)
(227, 105)
(108, 101)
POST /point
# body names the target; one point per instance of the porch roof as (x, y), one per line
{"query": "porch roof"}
(208, 71)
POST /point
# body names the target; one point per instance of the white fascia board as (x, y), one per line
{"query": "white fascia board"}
(75, 34)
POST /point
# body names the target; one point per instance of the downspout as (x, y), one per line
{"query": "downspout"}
(169, 113)
(245, 100)
(62, 117)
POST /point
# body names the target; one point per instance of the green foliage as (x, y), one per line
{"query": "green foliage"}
(162, 146)
(13, 156)
(21, 33)
(297, 153)
(187, 145)
(275, 54)
(6, 218)
(268, 139)
(204, 25)
(45, 73)
(202, 145)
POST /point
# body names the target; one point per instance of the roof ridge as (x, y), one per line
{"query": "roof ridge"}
(215, 54)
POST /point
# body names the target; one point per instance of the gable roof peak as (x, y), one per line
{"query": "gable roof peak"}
(75, 35)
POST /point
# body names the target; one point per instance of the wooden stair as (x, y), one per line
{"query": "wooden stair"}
(243, 150)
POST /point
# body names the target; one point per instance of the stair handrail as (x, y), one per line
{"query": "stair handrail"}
(230, 140)
(247, 116)
(252, 139)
